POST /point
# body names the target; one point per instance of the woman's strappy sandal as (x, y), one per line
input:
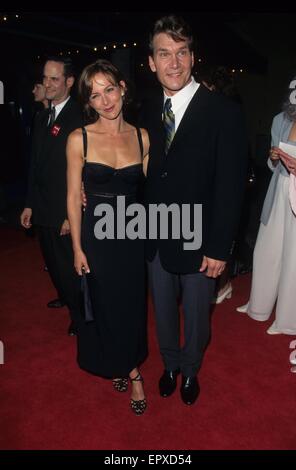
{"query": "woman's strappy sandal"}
(138, 406)
(120, 384)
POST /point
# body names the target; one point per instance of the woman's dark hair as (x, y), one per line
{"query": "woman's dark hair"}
(85, 85)
(175, 27)
(288, 107)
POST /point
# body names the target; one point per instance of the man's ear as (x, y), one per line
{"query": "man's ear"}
(152, 64)
(70, 82)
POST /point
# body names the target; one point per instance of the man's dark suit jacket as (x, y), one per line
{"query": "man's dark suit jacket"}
(47, 188)
(206, 164)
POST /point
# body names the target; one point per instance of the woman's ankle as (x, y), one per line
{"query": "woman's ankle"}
(134, 374)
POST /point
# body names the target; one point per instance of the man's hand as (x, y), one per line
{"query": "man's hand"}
(65, 229)
(213, 267)
(26, 216)
(83, 197)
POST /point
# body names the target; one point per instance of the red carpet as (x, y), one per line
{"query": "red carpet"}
(247, 396)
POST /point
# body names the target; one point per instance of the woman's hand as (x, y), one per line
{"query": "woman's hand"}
(80, 263)
(288, 161)
(274, 155)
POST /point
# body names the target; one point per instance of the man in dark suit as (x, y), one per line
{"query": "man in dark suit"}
(198, 155)
(46, 204)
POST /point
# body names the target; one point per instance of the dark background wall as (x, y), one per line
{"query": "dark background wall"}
(258, 47)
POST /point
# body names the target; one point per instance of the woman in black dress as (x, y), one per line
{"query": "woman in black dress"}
(109, 156)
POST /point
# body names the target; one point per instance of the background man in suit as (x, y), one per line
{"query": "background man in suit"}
(46, 203)
(197, 156)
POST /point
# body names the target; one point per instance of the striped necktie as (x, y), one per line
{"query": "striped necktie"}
(169, 123)
(51, 117)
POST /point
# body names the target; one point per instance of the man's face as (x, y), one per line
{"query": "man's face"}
(57, 87)
(172, 61)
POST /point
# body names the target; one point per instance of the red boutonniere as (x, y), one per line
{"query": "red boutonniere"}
(55, 130)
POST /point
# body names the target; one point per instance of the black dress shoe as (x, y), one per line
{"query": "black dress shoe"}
(189, 390)
(168, 382)
(56, 303)
(72, 330)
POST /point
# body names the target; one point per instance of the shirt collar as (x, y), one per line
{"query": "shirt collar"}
(183, 96)
(59, 107)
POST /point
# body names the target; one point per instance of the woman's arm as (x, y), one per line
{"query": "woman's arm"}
(273, 159)
(74, 179)
(146, 145)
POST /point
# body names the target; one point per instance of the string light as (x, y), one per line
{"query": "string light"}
(95, 49)
(98, 48)
(8, 17)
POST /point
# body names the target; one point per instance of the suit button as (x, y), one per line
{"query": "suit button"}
(164, 174)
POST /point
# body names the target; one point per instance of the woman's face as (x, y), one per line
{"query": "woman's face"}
(106, 97)
(38, 92)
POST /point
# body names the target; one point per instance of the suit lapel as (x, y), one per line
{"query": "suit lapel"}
(42, 133)
(157, 118)
(60, 122)
(155, 123)
(195, 108)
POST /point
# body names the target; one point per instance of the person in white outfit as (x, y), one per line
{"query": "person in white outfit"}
(274, 260)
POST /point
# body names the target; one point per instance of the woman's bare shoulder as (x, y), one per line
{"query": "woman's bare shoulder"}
(75, 135)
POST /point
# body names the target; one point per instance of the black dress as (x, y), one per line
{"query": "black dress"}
(115, 341)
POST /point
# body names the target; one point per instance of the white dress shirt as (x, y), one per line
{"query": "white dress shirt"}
(181, 100)
(59, 107)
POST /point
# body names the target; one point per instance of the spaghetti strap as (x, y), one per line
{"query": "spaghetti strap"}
(140, 141)
(84, 136)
